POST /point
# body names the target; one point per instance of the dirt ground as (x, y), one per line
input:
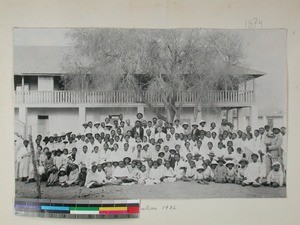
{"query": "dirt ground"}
(177, 190)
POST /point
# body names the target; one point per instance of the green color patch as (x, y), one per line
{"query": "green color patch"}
(84, 208)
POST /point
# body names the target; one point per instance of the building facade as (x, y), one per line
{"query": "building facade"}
(42, 103)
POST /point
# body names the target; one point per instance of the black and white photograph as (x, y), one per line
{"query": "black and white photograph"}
(123, 113)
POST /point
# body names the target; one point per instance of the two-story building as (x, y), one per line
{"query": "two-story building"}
(42, 103)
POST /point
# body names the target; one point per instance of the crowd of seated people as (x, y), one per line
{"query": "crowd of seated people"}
(115, 152)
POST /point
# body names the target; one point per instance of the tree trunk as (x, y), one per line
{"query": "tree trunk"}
(36, 174)
(170, 113)
(197, 111)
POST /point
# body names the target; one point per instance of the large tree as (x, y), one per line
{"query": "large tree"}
(169, 63)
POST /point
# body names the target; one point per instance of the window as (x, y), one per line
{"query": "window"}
(271, 122)
(43, 117)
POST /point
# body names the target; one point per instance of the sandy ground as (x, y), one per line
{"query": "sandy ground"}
(161, 191)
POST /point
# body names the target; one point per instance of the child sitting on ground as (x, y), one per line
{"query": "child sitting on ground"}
(168, 173)
(254, 172)
(240, 176)
(108, 170)
(81, 176)
(208, 172)
(220, 171)
(231, 172)
(53, 178)
(63, 177)
(275, 177)
(154, 175)
(190, 172)
(199, 176)
(73, 174)
(94, 178)
(142, 175)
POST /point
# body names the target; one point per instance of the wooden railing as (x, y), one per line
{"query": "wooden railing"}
(116, 97)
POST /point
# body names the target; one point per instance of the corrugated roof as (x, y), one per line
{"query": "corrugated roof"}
(30, 60)
(47, 60)
(242, 71)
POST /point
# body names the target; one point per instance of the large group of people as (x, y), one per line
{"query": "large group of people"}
(116, 152)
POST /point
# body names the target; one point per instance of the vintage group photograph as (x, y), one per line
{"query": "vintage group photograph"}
(115, 113)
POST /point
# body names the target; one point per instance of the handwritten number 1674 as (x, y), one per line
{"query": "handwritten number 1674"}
(253, 23)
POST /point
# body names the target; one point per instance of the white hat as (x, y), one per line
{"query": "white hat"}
(200, 167)
(214, 162)
(276, 163)
(229, 162)
(108, 125)
(202, 121)
(96, 123)
(185, 123)
(194, 124)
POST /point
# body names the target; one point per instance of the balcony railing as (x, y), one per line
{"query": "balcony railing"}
(117, 97)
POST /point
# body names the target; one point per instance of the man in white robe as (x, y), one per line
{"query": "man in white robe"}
(23, 158)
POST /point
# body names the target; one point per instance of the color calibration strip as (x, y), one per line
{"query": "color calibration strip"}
(82, 209)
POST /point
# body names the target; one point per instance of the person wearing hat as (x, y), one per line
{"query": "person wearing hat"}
(274, 149)
(63, 177)
(208, 171)
(108, 128)
(254, 172)
(89, 128)
(213, 165)
(240, 175)
(85, 126)
(177, 127)
(53, 178)
(51, 144)
(202, 124)
(186, 129)
(275, 177)
(96, 129)
(220, 171)
(211, 156)
(195, 131)
(199, 175)
(224, 126)
(231, 171)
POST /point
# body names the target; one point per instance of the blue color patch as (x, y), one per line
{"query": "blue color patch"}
(55, 208)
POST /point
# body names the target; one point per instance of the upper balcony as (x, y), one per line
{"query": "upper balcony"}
(231, 98)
